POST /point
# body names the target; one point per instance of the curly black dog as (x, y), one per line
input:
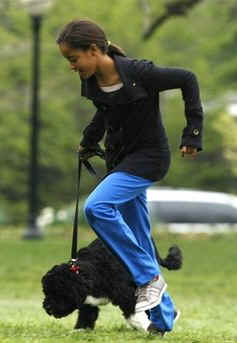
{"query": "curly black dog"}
(98, 278)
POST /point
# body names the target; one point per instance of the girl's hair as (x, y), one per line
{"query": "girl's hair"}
(80, 34)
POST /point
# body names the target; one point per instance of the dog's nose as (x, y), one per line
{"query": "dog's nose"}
(48, 309)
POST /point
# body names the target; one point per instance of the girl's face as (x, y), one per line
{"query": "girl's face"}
(82, 61)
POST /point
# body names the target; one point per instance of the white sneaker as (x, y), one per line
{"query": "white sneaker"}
(149, 295)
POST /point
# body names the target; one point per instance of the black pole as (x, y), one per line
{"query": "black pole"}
(33, 230)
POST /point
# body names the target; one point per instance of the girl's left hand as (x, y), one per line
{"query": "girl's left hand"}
(189, 150)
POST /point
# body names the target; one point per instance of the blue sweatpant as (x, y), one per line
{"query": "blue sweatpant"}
(117, 211)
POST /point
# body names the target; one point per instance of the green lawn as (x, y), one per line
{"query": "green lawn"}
(205, 291)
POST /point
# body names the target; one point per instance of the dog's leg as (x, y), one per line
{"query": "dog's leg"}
(87, 317)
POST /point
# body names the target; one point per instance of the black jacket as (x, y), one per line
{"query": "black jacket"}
(136, 140)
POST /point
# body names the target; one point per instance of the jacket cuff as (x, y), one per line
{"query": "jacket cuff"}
(192, 136)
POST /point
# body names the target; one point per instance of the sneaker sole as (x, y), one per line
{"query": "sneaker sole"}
(152, 330)
(154, 304)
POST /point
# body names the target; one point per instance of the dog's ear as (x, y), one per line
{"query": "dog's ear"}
(87, 275)
(79, 294)
(83, 287)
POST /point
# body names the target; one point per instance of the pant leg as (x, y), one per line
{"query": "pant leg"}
(163, 314)
(103, 215)
(136, 215)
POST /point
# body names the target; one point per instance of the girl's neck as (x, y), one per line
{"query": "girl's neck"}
(106, 73)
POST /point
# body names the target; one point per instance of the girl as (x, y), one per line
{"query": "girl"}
(125, 92)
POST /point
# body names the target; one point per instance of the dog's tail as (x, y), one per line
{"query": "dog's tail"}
(173, 260)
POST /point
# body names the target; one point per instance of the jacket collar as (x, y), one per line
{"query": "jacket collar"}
(90, 88)
(130, 91)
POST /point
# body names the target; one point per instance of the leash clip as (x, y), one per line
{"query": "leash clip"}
(73, 265)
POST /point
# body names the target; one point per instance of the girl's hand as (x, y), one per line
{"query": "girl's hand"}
(85, 153)
(80, 148)
(189, 150)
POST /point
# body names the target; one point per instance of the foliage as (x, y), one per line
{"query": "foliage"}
(198, 41)
(171, 9)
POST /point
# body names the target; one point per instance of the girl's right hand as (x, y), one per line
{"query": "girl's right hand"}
(80, 148)
(85, 153)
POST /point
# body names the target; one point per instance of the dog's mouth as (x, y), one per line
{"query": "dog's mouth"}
(56, 314)
(48, 309)
(56, 311)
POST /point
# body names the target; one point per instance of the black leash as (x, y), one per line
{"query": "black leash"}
(73, 262)
(75, 222)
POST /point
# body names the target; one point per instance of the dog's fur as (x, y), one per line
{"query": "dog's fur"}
(101, 278)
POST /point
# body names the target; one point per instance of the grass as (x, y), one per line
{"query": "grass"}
(205, 290)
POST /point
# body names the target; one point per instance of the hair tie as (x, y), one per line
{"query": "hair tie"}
(109, 43)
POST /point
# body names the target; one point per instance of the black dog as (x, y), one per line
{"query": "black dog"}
(98, 278)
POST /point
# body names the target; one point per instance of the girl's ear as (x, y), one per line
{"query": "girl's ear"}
(94, 48)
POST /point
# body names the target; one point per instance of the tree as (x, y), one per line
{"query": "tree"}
(171, 9)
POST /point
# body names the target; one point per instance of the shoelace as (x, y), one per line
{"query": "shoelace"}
(141, 293)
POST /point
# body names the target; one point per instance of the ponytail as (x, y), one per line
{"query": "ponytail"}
(114, 49)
